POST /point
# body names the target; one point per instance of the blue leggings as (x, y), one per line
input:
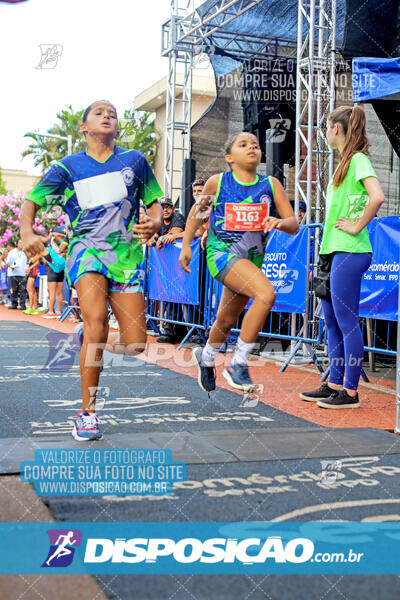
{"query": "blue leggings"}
(345, 342)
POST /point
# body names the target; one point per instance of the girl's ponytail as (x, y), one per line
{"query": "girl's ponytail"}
(352, 120)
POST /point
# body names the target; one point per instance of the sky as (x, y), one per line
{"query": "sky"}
(110, 49)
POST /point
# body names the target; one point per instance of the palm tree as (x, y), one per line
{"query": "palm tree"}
(138, 132)
(69, 122)
(43, 150)
(47, 150)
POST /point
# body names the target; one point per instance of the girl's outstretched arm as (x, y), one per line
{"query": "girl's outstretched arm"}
(31, 243)
(287, 222)
(195, 217)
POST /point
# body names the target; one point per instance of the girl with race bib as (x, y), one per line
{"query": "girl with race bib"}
(99, 189)
(243, 204)
(353, 198)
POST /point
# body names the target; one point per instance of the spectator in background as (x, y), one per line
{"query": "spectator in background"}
(197, 188)
(61, 238)
(172, 225)
(3, 276)
(10, 246)
(32, 272)
(16, 263)
(302, 211)
(55, 280)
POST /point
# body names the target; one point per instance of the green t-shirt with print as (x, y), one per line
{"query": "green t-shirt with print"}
(347, 201)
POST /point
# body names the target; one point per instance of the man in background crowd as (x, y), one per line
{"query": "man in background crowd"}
(55, 279)
(197, 188)
(302, 211)
(172, 228)
(173, 224)
(16, 263)
(9, 247)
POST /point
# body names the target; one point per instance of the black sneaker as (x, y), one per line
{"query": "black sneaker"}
(320, 394)
(206, 375)
(166, 339)
(341, 399)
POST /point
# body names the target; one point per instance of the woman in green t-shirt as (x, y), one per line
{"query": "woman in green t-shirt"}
(353, 198)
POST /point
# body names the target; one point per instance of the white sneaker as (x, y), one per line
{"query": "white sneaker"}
(113, 323)
(86, 427)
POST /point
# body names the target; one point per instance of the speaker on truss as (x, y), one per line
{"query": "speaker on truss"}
(371, 28)
(274, 152)
(188, 176)
(269, 103)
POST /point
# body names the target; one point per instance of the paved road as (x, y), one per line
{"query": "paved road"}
(249, 462)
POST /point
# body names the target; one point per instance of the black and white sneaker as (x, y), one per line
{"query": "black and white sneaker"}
(341, 399)
(320, 394)
(206, 375)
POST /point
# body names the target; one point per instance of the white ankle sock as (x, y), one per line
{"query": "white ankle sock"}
(208, 355)
(242, 352)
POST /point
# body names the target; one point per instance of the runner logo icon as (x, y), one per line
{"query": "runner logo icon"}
(62, 547)
(62, 351)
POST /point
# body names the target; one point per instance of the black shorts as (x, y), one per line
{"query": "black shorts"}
(53, 277)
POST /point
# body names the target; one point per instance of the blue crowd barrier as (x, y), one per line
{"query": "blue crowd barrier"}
(174, 296)
(285, 264)
(69, 308)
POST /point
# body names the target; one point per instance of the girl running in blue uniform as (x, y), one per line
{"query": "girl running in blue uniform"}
(241, 217)
(353, 198)
(99, 189)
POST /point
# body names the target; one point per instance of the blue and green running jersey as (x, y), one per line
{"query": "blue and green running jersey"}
(102, 237)
(223, 245)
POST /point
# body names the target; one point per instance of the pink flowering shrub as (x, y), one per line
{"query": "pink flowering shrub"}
(10, 211)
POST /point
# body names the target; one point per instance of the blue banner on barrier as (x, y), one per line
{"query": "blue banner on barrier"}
(285, 265)
(209, 548)
(167, 281)
(379, 285)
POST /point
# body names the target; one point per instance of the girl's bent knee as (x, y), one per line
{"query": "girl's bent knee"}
(224, 324)
(96, 327)
(267, 297)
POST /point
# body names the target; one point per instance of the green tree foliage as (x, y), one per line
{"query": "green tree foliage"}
(3, 190)
(137, 131)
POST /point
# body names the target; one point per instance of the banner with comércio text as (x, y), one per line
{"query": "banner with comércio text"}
(380, 284)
